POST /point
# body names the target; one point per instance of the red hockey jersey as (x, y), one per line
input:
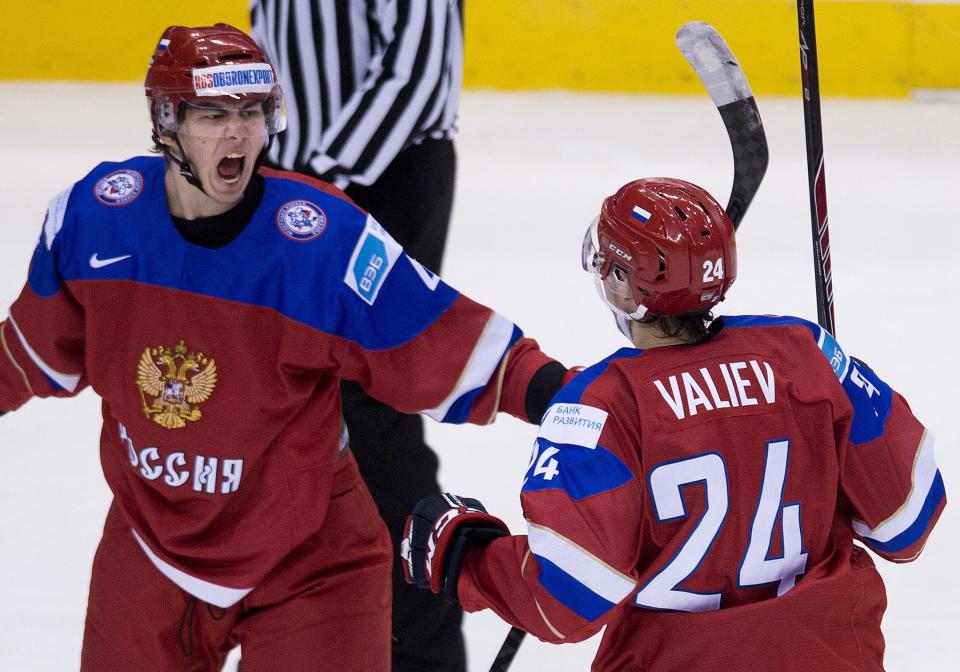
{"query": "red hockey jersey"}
(702, 502)
(219, 369)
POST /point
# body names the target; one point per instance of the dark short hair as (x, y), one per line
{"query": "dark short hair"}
(690, 328)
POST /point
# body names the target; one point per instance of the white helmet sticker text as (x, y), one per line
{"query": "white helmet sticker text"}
(229, 80)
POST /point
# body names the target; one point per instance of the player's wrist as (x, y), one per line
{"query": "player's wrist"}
(544, 384)
(469, 535)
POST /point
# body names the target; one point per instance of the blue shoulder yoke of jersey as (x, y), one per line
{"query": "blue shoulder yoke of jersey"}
(349, 280)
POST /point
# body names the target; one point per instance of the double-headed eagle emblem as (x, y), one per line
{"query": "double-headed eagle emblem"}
(189, 378)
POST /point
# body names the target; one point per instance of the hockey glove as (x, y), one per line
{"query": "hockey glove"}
(437, 535)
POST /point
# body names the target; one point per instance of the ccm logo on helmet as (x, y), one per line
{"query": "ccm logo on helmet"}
(620, 253)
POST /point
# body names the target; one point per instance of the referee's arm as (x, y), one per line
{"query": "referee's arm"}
(400, 91)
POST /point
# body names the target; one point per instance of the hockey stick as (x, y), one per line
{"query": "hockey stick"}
(816, 180)
(508, 650)
(715, 65)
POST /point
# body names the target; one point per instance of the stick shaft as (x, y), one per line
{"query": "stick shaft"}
(816, 178)
(508, 651)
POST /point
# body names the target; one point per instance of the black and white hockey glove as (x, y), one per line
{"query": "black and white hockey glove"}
(437, 535)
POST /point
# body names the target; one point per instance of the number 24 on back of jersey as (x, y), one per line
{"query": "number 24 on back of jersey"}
(666, 488)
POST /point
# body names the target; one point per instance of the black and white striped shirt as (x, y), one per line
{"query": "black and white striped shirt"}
(363, 79)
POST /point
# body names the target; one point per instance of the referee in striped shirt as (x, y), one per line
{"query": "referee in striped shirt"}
(372, 89)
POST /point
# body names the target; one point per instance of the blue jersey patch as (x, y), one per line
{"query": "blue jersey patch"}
(301, 220)
(120, 187)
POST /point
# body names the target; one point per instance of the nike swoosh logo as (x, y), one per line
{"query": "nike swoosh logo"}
(96, 262)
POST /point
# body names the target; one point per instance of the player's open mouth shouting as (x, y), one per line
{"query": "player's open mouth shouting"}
(231, 167)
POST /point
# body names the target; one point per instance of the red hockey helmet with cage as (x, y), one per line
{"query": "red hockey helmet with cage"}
(671, 245)
(207, 65)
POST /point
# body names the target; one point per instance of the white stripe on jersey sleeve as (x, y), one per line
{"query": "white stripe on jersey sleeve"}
(482, 365)
(211, 593)
(578, 563)
(924, 473)
(67, 381)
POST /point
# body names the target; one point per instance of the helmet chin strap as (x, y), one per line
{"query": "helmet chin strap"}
(622, 317)
(186, 170)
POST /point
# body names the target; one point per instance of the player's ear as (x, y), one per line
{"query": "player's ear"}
(166, 139)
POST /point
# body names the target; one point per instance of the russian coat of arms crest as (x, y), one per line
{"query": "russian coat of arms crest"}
(178, 381)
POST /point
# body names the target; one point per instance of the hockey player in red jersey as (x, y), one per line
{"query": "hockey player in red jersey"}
(705, 493)
(215, 307)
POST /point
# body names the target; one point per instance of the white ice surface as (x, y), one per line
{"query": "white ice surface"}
(533, 171)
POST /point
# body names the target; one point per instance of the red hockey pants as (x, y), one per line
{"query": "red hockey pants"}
(326, 606)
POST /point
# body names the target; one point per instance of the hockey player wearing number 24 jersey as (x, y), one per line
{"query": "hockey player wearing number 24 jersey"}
(700, 493)
(215, 309)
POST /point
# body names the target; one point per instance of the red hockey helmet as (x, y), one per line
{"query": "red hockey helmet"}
(206, 66)
(669, 244)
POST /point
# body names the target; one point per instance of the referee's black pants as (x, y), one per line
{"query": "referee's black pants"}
(412, 199)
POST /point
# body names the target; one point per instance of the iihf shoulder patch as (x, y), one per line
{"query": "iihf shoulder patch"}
(121, 187)
(301, 220)
(373, 256)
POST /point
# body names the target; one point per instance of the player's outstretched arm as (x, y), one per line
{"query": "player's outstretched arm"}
(417, 344)
(448, 537)
(42, 339)
(562, 580)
